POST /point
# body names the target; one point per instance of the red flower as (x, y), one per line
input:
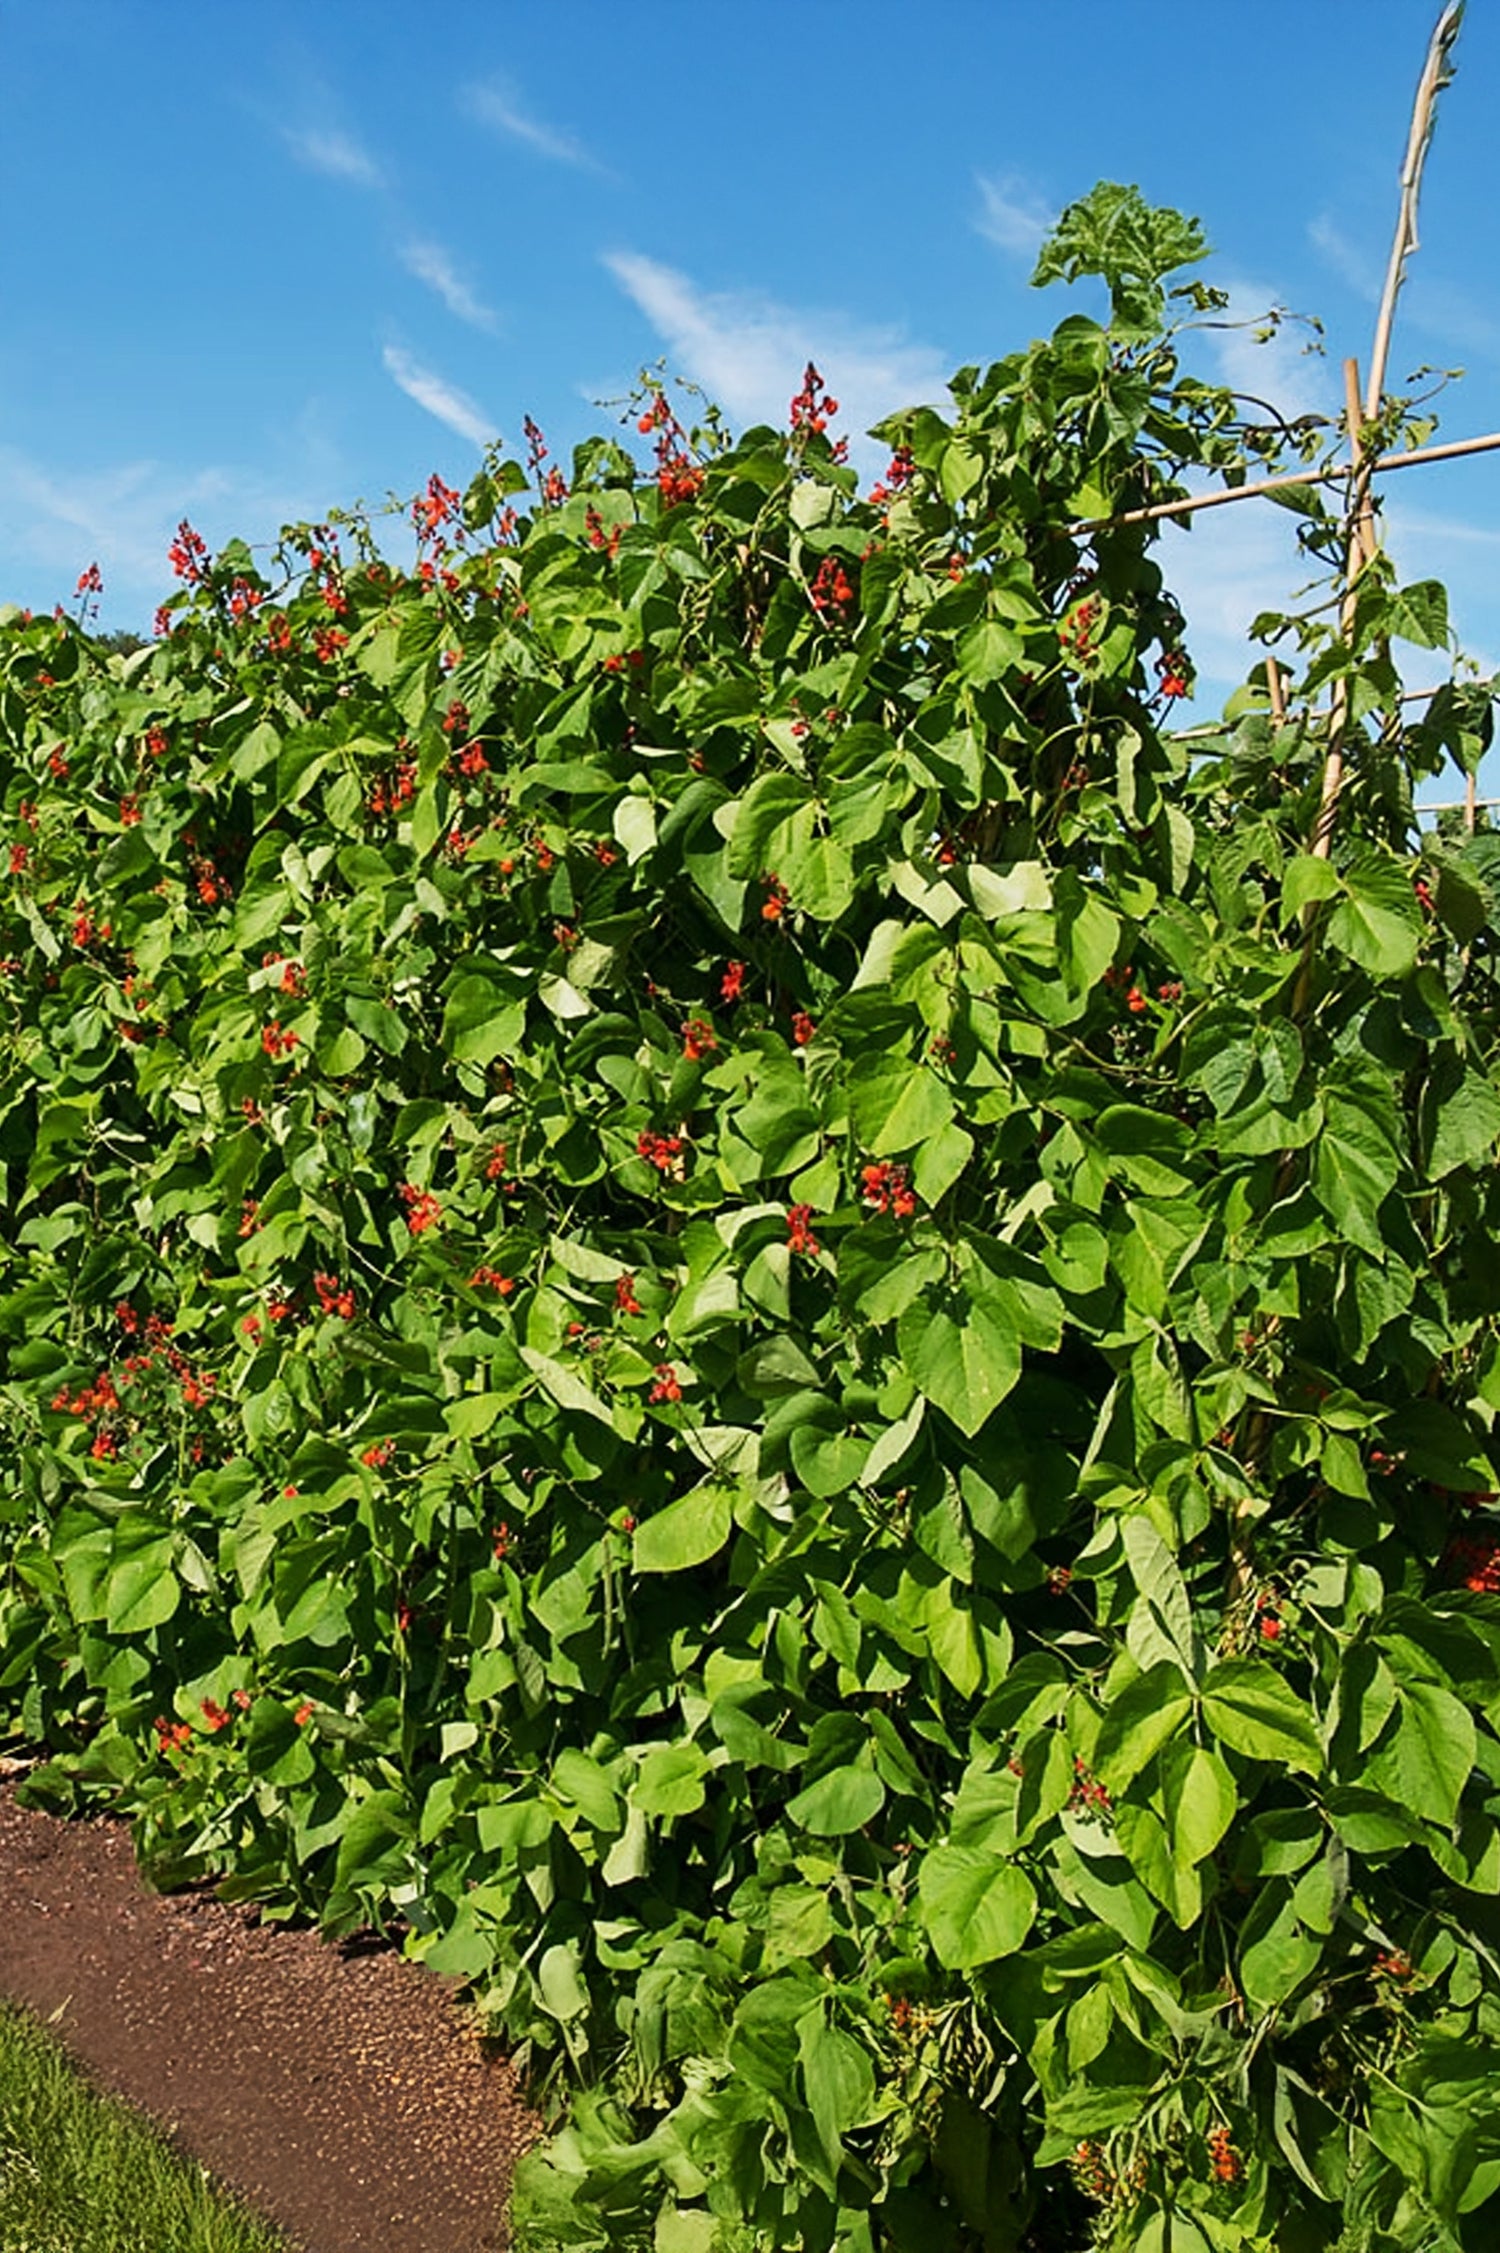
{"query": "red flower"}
(1223, 2157)
(666, 1386)
(625, 1298)
(422, 1209)
(662, 1151)
(90, 582)
(276, 1041)
(304, 1713)
(188, 554)
(334, 1297)
(490, 1279)
(377, 1457)
(731, 982)
(886, 1188)
(698, 1040)
(799, 1235)
(775, 906)
(217, 1716)
(803, 1028)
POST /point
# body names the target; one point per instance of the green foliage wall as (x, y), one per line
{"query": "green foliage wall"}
(720, 1288)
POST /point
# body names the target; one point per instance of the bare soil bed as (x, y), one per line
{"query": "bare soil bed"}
(340, 2089)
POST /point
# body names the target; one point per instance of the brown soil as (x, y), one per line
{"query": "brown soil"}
(342, 2092)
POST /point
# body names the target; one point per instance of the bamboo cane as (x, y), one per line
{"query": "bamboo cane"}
(1412, 459)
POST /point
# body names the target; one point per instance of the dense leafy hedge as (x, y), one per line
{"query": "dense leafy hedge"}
(720, 1287)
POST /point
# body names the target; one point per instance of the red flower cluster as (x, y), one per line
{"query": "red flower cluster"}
(188, 554)
(886, 1188)
(1172, 672)
(831, 585)
(90, 582)
(1474, 1560)
(698, 1039)
(678, 477)
(1088, 1795)
(327, 642)
(799, 1235)
(598, 537)
(899, 475)
(390, 797)
(1392, 1965)
(666, 1386)
(431, 510)
(812, 408)
(334, 1297)
(775, 906)
(664, 1151)
(803, 1029)
(490, 1279)
(422, 1209)
(625, 1298)
(731, 982)
(376, 1458)
(1075, 633)
(171, 1736)
(276, 1040)
(1222, 2156)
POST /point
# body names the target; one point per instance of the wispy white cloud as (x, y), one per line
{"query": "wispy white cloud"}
(122, 515)
(1344, 258)
(327, 149)
(440, 398)
(748, 352)
(496, 103)
(431, 264)
(1014, 215)
(1457, 318)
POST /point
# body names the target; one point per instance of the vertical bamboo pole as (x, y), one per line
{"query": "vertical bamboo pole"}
(1436, 73)
(1361, 545)
(1278, 690)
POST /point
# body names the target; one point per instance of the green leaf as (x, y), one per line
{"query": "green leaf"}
(839, 2080)
(687, 1532)
(976, 1906)
(1199, 1800)
(1250, 1708)
(1308, 879)
(1426, 1755)
(841, 1800)
(1377, 924)
(960, 1352)
(1466, 1126)
(142, 1591)
(895, 1105)
(1144, 1716)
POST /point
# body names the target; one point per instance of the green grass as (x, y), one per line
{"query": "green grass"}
(81, 2173)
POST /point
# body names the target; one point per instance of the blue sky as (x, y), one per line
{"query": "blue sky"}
(263, 260)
